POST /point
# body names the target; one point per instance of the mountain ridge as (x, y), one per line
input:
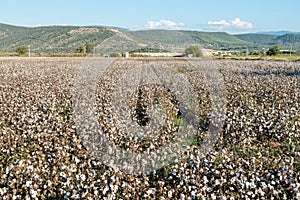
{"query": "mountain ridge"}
(284, 41)
(278, 33)
(108, 39)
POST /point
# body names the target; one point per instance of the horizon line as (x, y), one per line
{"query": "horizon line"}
(146, 29)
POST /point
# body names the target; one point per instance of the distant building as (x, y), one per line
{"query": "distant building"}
(167, 54)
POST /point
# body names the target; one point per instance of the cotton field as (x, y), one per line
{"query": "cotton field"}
(149, 128)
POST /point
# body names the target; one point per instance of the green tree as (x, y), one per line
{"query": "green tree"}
(22, 50)
(273, 51)
(194, 50)
(89, 48)
(80, 49)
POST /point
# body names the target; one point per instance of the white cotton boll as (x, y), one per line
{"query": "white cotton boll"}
(30, 167)
(28, 183)
(63, 174)
(170, 193)
(298, 195)
(149, 192)
(205, 179)
(33, 193)
(213, 197)
(106, 189)
(83, 177)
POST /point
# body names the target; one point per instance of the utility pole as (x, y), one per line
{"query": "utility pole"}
(28, 50)
(291, 50)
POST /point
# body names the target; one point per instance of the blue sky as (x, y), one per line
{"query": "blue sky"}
(233, 16)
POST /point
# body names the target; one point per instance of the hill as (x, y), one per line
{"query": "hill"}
(60, 39)
(171, 39)
(65, 39)
(258, 39)
(216, 39)
(289, 38)
(278, 33)
(164, 39)
(284, 41)
(54, 39)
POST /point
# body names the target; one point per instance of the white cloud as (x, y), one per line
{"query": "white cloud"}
(235, 24)
(163, 24)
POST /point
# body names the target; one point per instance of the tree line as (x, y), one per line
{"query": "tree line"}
(193, 50)
(82, 49)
